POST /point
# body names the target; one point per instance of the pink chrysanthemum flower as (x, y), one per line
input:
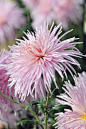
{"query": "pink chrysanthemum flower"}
(40, 54)
(31, 3)
(4, 80)
(4, 60)
(67, 11)
(75, 96)
(7, 106)
(11, 18)
(42, 12)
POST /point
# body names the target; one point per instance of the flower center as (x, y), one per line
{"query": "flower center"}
(40, 57)
(84, 117)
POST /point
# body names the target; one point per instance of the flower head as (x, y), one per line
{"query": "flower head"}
(40, 55)
(64, 8)
(11, 18)
(75, 96)
(4, 59)
(9, 92)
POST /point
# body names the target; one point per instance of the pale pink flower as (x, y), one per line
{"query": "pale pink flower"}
(11, 17)
(40, 54)
(7, 106)
(74, 96)
(42, 12)
(31, 3)
(67, 11)
(4, 59)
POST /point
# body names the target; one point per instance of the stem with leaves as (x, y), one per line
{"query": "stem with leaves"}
(37, 119)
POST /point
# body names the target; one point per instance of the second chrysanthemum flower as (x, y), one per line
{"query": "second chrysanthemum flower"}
(74, 96)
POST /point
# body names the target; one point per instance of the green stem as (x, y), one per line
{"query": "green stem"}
(46, 115)
(21, 105)
(36, 110)
(35, 126)
(47, 100)
(45, 120)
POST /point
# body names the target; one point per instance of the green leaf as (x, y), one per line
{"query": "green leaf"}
(31, 104)
(62, 107)
(41, 122)
(21, 109)
(59, 107)
(42, 101)
(41, 107)
(53, 92)
(23, 122)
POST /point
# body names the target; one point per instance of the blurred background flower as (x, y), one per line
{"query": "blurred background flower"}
(11, 18)
(67, 11)
(31, 3)
(43, 13)
(60, 11)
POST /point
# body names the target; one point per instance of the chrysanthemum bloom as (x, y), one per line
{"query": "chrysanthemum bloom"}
(4, 80)
(74, 96)
(7, 106)
(67, 11)
(31, 3)
(9, 92)
(35, 59)
(11, 18)
(42, 12)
